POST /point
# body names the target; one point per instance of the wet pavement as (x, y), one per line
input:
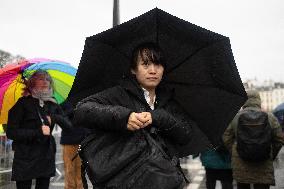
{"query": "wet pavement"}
(193, 169)
(279, 170)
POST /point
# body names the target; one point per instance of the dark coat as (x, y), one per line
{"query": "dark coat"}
(110, 109)
(252, 172)
(34, 155)
(73, 137)
(76, 134)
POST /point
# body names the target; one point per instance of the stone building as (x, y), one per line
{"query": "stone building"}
(271, 93)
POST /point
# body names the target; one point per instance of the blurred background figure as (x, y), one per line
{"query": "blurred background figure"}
(70, 141)
(217, 164)
(254, 138)
(30, 124)
(278, 112)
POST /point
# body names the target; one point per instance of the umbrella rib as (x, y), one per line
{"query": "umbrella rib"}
(194, 53)
(196, 85)
(186, 84)
(125, 56)
(90, 40)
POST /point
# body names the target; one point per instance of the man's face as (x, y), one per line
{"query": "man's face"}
(148, 74)
(42, 84)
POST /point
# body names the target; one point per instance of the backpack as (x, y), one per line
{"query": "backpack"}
(254, 136)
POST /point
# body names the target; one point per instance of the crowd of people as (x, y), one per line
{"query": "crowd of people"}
(141, 110)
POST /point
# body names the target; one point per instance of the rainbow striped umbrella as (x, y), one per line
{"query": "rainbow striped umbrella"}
(12, 81)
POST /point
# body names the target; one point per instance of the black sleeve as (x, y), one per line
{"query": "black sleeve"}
(100, 111)
(173, 123)
(61, 119)
(15, 131)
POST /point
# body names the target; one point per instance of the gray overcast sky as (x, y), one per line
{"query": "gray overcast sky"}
(57, 29)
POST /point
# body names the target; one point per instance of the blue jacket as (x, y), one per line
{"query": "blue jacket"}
(216, 160)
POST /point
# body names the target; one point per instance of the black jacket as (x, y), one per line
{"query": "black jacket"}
(34, 155)
(76, 134)
(110, 109)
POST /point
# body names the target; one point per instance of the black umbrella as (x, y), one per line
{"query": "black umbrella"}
(200, 66)
(279, 113)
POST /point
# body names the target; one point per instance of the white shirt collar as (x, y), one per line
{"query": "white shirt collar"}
(147, 98)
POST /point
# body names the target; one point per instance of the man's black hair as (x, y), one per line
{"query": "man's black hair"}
(148, 52)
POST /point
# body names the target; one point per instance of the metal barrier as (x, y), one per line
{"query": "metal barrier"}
(6, 158)
(6, 154)
(59, 157)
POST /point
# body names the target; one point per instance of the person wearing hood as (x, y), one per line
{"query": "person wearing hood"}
(30, 124)
(140, 102)
(258, 173)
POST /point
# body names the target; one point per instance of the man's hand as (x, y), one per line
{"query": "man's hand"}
(145, 118)
(133, 122)
(139, 120)
(45, 130)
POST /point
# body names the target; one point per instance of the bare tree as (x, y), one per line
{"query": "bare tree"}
(6, 58)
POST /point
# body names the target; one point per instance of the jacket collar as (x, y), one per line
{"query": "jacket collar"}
(163, 94)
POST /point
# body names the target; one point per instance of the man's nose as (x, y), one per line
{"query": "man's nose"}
(152, 68)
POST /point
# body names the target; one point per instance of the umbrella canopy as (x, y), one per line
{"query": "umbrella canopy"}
(12, 79)
(200, 66)
(1, 129)
(279, 113)
(11, 82)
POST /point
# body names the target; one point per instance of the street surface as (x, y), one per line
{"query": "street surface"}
(191, 166)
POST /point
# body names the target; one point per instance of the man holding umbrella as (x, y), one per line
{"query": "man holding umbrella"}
(139, 102)
(201, 79)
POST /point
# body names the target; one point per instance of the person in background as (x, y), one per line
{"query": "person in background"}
(246, 171)
(70, 141)
(30, 124)
(217, 163)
